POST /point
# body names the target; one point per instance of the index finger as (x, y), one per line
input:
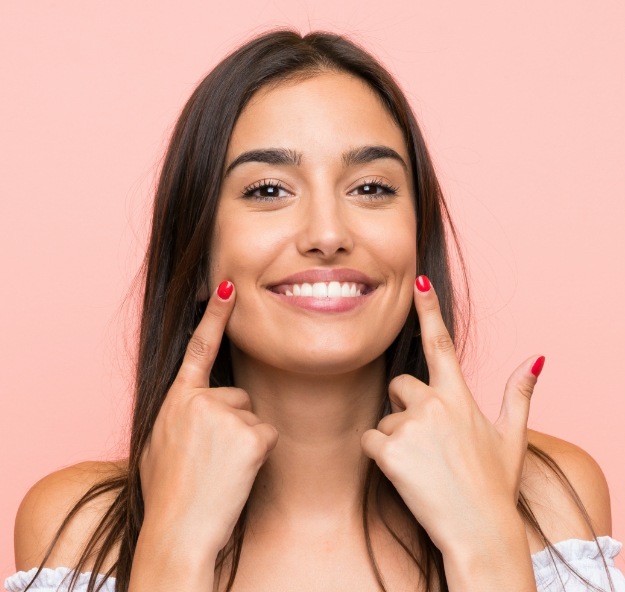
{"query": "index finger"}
(204, 343)
(438, 346)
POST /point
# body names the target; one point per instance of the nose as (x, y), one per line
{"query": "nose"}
(325, 231)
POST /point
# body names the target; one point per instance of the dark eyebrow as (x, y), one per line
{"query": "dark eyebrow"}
(268, 155)
(282, 156)
(365, 154)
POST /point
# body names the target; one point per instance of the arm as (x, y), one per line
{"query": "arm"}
(498, 562)
(157, 568)
(45, 506)
(553, 505)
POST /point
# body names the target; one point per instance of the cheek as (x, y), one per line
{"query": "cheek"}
(392, 240)
(239, 249)
(397, 255)
(251, 257)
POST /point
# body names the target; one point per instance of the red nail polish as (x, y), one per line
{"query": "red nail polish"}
(423, 283)
(225, 290)
(537, 368)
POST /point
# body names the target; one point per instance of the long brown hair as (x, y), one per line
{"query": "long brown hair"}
(175, 269)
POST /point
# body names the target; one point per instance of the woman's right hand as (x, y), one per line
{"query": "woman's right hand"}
(206, 448)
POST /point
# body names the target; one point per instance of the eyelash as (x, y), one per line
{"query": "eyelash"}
(247, 193)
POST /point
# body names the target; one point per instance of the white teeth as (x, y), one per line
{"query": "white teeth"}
(325, 290)
(320, 290)
(334, 290)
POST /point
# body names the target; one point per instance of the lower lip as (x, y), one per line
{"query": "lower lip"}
(324, 304)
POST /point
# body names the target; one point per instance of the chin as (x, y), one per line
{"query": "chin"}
(326, 366)
(327, 357)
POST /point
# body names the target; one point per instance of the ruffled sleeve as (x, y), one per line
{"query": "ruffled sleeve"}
(53, 580)
(552, 575)
(550, 572)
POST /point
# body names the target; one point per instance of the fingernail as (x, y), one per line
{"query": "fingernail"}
(423, 283)
(225, 290)
(537, 368)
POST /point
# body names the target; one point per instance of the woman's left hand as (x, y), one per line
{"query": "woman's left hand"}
(457, 472)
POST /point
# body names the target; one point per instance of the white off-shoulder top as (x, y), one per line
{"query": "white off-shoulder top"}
(550, 573)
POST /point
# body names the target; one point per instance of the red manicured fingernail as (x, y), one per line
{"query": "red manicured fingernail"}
(225, 290)
(537, 368)
(423, 283)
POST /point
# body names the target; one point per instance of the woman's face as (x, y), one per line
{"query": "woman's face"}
(316, 227)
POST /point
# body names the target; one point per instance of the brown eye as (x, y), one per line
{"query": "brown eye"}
(376, 189)
(371, 189)
(265, 190)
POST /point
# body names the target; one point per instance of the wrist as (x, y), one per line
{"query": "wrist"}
(495, 557)
(176, 549)
(491, 532)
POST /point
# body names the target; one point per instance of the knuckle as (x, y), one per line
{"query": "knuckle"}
(231, 424)
(232, 397)
(431, 306)
(390, 455)
(401, 382)
(432, 407)
(241, 395)
(203, 405)
(199, 407)
(409, 426)
(442, 343)
(526, 390)
(402, 389)
(409, 430)
(383, 422)
(204, 413)
(252, 442)
(200, 347)
(386, 423)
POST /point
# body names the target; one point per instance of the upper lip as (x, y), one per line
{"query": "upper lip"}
(310, 276)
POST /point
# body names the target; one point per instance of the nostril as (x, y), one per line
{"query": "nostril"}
(327, 253)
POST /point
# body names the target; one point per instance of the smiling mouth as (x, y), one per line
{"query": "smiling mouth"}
(323, 290)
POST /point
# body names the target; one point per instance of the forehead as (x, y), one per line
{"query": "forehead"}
(320, 115)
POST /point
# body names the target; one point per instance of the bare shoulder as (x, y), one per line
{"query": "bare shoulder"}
(551, 500)
(48, 502)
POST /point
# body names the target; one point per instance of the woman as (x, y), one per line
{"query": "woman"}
(309, 427)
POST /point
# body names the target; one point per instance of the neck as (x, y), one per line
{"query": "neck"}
(314, 477)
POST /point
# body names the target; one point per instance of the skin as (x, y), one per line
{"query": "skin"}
(317, 377)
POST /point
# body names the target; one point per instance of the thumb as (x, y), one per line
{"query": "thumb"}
(515, 407)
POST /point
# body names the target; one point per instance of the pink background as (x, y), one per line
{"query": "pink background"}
(522, 105)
